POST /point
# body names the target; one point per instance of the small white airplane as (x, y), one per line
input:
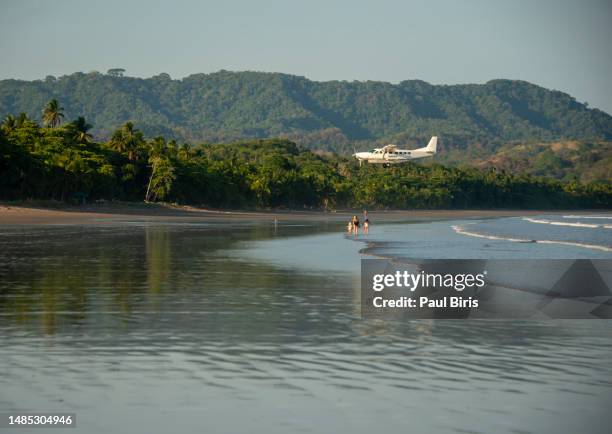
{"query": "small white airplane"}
(390, 154)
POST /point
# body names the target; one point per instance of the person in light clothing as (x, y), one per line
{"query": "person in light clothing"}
(355, 222)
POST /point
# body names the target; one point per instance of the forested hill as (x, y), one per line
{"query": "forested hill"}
(334, 115)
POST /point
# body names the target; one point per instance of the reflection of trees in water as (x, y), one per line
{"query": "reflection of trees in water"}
(181, 280)
(158, 261)
(133, 276)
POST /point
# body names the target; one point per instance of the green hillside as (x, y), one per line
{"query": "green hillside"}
(566, 160)
(335, 115)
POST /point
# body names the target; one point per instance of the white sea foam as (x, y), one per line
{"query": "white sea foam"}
(587, 217)
(572, 224)
(460, 230)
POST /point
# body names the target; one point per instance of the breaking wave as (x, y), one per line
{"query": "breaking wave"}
(587, 217)
(462, 231)
(571, 224)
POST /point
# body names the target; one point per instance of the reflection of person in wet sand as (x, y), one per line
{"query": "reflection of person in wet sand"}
(349, 227)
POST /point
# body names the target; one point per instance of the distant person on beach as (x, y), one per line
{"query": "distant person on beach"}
(355, 224)
(366, 226)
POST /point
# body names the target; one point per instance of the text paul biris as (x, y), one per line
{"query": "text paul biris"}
(412, 281)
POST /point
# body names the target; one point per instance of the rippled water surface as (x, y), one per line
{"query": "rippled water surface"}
(143, 328)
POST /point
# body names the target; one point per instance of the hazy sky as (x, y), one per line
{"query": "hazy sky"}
(558, 44)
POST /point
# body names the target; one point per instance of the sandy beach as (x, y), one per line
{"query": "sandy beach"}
(22, 214)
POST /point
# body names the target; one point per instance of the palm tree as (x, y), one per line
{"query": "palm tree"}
(161, 179)
(22, 120)
(9, 124)
(184, 152)
(80, 127)
(53, 114)
(157, 147)
(127, 139)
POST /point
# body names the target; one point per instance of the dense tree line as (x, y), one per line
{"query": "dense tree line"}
(60, 161)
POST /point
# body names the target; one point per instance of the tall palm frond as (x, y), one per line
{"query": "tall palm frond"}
(53, 114)
(81, 128)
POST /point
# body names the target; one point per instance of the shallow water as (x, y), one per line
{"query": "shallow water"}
(587, 232)
(143, 328)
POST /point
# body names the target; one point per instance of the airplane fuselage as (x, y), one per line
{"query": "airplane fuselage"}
(378, 156)
(390, 154)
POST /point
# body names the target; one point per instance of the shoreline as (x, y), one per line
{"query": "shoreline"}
(44, 214)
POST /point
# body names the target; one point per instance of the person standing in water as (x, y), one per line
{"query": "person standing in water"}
(366, 226)
(355, 224)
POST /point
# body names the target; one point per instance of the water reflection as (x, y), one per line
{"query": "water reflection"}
(141, 323)
(58, 280)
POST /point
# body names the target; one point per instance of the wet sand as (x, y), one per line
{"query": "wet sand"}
(100, 214)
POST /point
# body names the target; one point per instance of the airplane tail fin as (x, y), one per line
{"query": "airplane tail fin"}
(432, 146)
